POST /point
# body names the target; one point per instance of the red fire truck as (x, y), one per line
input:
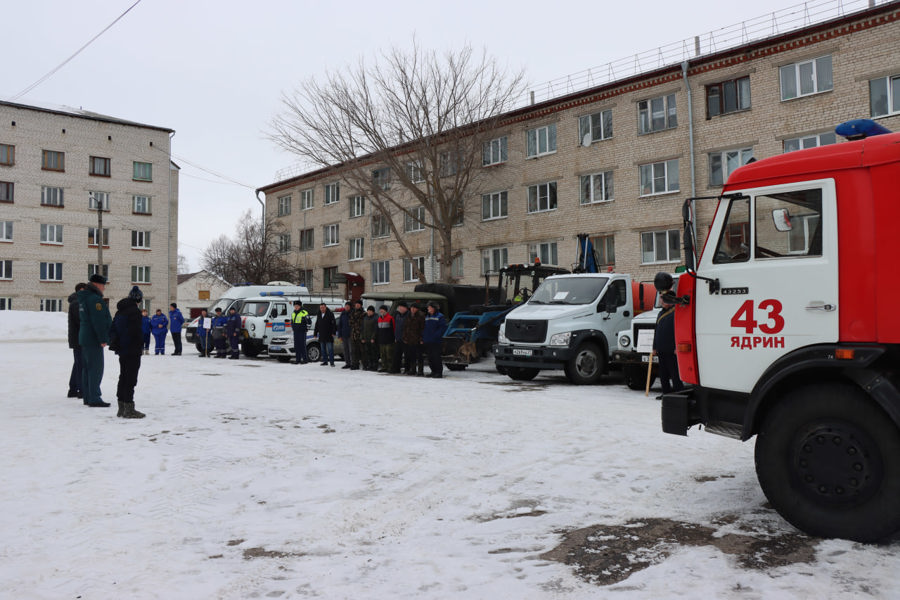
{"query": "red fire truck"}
(788, 328)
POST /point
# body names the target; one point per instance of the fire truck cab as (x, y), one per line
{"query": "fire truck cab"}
(787, 328)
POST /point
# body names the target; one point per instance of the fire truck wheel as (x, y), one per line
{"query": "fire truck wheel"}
(521, 373)
(587, 366)
(828, 459)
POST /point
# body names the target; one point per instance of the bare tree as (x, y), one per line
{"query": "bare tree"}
(183, 265)
(408, 132)
(252, 256)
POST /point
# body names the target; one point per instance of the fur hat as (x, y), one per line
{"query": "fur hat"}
(98, 278)
(136, 294)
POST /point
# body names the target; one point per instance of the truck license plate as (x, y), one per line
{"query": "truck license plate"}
(274, 348)
(521, 352)
(646, 358)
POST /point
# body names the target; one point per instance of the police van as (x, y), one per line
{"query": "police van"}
(268, 316)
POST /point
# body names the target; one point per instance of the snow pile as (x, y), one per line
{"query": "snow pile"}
(257, 479)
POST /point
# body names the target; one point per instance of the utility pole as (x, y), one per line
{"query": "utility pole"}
(99, 236)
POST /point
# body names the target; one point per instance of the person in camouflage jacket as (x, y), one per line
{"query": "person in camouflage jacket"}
(356, 323)
(412, 337)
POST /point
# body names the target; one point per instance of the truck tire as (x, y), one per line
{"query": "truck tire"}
(636, 377)
(455, 366)
(587, 366)
(250, 350)
(313, 352)
(828, 459)
(522, 373)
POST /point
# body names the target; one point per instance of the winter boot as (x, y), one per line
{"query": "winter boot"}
(131, 413)
(121, 412)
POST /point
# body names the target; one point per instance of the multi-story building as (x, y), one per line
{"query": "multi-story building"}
(82, 193)
(616, 161)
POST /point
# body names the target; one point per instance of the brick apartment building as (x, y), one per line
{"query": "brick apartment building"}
(615, 161)
(57, 166)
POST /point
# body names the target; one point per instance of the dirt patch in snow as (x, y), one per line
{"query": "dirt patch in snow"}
(608, 554)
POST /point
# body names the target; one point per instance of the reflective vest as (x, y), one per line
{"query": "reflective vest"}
(298, 317)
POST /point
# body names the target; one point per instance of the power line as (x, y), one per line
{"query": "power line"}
(77, 52)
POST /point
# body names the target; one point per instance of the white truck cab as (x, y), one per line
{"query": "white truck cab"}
(570, 323)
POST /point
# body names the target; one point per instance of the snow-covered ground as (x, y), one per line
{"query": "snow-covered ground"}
(256, 479)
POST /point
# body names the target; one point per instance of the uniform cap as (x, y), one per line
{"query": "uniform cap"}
(98, 278)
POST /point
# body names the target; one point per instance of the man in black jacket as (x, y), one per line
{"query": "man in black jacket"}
(664, 345)
(127, 341)
(324, 332)
(74, 326)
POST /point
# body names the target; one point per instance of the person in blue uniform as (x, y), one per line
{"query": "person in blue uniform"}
(159, 325)
(300, 325)
(233, 332)
(93, 336)
(218, 333)
(176, 321)
(146, 328)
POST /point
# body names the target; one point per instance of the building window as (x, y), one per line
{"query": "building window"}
(6, 231)
(306, 199)
(357, 206)
(412, 268)
(884, 97)
(100, 166)
(357, 248)
(414, 219)
(5, 303)
(330, 235)
(332, 192)
(305, 278)
(307, 239)
(727, 97)
(284, 206)
(456, 267)
(102, 269)
(381, 272)
(494, 206)
(51, 271)
(806, 78)
(140, 240)
(660, 246)
(53, 305)
(723, 164)
(380, 226)
(605, 250)
(141, 205)
(7, 191)
(140, 274)
(329, 275)
(810, 141)
(494, 259)
(53, 161)
(283, 243)
(659, 178)
(52, 196)
(93, 237)
(543, 251)
(5, 269)
(51, 234)
(595, 127)
(449, 163)
(414, 172)
(494, 152)
(540, 141)
(597, 187)
(96, 199)
(542, 197)
(7, 154)
(657, 114)
(381, 178)
(143, 171)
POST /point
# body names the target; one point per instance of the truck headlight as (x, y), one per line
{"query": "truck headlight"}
(501, 336)
(560, 339)
(624, 342)
(252, 326)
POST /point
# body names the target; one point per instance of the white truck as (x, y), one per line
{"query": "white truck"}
(570, 323)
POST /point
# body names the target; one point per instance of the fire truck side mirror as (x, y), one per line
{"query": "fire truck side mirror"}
(782, 219)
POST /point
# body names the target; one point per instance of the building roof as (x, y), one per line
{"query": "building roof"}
(80, 113)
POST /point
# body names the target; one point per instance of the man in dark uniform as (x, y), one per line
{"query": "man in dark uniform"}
(664, 344)
(218, 332)
(356, 322)
(74, 326)
(300, 325)
(127, 341)
(343, 333)
(233, 332)
(93, 335)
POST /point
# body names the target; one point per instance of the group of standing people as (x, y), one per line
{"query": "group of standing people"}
(397, 343)
(159, 326)
(220, 333)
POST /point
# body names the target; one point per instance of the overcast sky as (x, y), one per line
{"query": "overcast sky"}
(214, 71)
